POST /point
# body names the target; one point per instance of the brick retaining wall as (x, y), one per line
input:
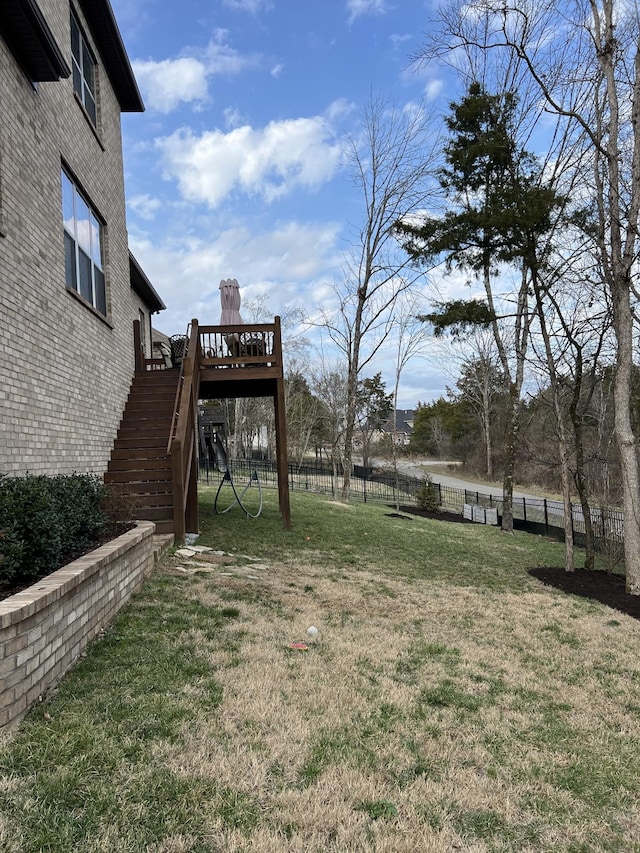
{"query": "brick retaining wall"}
(44, 628)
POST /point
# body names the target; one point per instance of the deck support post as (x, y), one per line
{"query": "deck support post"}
(281, 455)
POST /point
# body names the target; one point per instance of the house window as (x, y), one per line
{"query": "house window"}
(83, 246)
(143, 331)
(84, 70)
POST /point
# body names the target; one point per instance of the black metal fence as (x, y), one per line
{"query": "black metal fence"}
(536, 515)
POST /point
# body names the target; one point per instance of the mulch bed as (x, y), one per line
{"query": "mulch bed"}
(407, 511)
(599, 586)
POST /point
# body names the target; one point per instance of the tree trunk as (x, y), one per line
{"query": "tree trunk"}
(511, 439)
(347, 453)
(486, 423)
(563, 448)
(513, 418)
(352, 389)
(626, 441)
(622, 232)
(569, 562)
(581, 485)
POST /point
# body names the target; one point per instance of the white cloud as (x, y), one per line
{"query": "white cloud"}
(144, 206)
(288, 264)
(433, 89)
(252, 6)
(167, 83)
(399, 41)
(269, 162)
(357, 8)
(276, 71)
(221, 58)
(232, 117)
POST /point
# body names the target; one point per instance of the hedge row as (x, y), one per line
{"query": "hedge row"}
(47, 521)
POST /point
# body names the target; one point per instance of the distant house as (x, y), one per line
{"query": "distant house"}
(69, 287)
(400, 425)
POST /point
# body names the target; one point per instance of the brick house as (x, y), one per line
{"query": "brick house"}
(69, 287)
(400, 425)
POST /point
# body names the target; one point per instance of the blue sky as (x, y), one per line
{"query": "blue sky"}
(236, 167)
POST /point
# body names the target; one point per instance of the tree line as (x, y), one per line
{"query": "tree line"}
(527, 191)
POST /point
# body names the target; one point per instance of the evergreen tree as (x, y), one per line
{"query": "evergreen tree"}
(499, 209)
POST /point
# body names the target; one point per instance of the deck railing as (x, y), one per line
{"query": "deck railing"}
(255, 345)
(247, 345)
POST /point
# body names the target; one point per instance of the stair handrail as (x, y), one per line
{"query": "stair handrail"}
(176, 402)
(181, 445)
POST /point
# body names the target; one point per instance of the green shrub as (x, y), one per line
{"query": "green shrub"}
(46, 522)
(428, 496)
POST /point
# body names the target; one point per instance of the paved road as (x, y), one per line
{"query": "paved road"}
(553, 508)
(416, 469)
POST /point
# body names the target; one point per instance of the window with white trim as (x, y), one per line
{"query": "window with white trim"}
(84, 70)
(83, 246)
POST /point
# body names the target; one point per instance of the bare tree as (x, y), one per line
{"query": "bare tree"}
(479, 382)
(584, 58)
(411, 341)
(328, 383)
(305, 414)
(573, 323)
(391, 162)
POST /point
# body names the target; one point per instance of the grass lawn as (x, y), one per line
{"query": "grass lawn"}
(448, 701)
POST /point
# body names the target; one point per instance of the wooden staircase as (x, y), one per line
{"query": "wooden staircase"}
(139, 461)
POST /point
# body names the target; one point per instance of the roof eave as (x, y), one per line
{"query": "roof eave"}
(104, 27)
(143, 287)
(27, 34)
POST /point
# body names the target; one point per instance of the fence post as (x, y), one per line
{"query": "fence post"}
(546, 518)
(364, 489)
(524, 508)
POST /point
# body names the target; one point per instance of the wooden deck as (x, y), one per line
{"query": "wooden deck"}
(219, 362)
(240, 361)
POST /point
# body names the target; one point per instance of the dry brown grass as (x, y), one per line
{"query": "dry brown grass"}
(448, 702)
(307, 736)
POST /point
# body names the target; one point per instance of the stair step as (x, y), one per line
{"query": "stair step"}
(148, 487)
(153, 390)
(157, 377)
(136, 476)
(160, 406)
(164, 527)
(152, 394)
(134, 425)
(133, 453)
(152, 464)
(148, 429)
(141, 441)
(155, 513)
(140, 466)
(164, 499)
(150, 415)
